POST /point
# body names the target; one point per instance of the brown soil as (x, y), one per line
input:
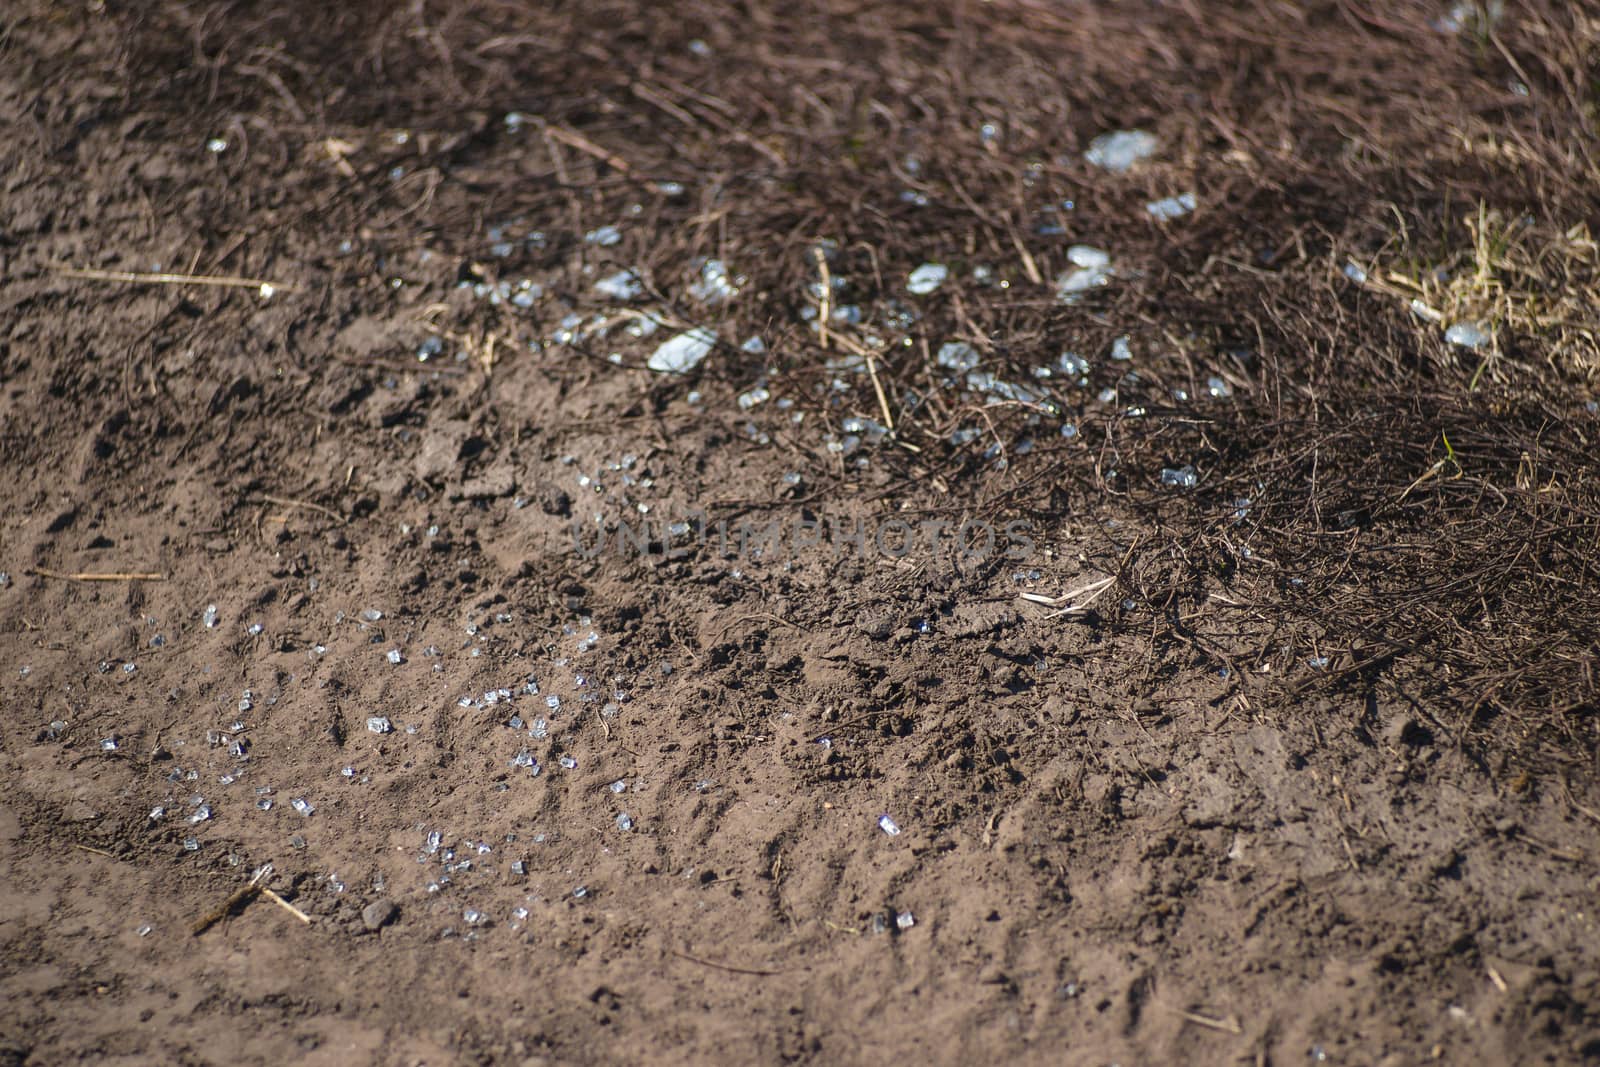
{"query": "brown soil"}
(1313, 780)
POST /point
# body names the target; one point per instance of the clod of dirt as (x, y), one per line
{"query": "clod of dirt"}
(1406, 730)
(497, 481)
(553, 501)
(441, 449)
(365, 336)
(378, 914)
(875, 624)
(78, 811)
(976, 619)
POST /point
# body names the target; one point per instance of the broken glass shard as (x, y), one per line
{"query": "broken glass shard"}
(1172, 207)
(1119, 150)
(926, 278)
(624, 285)
(1181, 478)
(684, 352)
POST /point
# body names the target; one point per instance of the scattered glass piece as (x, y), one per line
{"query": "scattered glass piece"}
(1172, 207)
(1467, 335)
(905, 920)
(752, 397)
(394, 656)
(624, 822)
(926, 278)
(957, 356)
(603, 236)
(888, 826)
(684, 352)
(209, 616)
(1182, 478)
(622, 286)
(379, 724)
(1119, 150)
(715, 285)
(302, 805)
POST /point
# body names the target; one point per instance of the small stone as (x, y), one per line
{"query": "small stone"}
(378, 914)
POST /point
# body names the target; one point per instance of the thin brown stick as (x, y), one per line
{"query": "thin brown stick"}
(286, 906)
(289, 502)
(242, 896)
(573, 139)
(825, 301)
(730, 968)
(89, 576)
(223, 281)
(235, 899)
(1230, 1025)
(877, 387)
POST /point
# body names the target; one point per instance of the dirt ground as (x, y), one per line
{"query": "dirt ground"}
(348, 529)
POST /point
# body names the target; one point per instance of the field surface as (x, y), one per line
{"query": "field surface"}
(830, 532)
